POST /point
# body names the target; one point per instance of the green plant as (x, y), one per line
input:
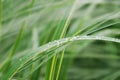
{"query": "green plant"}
(59, 40)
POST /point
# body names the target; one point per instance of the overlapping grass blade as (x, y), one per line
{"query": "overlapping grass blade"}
(20, 62)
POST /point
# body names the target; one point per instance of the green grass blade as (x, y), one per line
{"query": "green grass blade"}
(20, 62)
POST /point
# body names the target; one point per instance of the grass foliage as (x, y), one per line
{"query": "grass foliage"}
(59, 40)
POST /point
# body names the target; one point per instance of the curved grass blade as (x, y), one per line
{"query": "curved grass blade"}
(20, 62)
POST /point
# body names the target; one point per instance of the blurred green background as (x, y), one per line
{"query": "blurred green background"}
(27, 25)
